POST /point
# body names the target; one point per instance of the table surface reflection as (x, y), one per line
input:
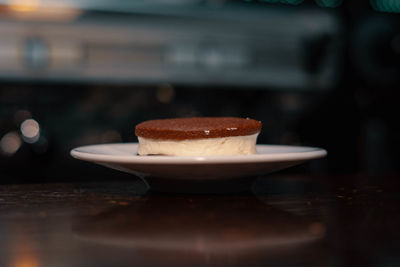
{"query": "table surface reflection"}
(287, 220)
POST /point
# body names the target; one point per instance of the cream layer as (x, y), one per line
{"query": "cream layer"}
(232, 145)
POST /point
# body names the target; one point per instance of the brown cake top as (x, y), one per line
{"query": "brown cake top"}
(197, 128)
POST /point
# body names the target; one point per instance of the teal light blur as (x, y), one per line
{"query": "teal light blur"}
(391, 6)
(289, 2)
(329, 3)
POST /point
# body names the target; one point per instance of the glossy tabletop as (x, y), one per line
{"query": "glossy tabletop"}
(286, 220)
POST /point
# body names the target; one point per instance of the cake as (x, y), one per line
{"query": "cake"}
(198, 136)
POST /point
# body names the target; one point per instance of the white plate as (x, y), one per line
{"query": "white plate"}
(124, 157)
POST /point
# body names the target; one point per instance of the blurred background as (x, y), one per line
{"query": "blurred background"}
(316, 72)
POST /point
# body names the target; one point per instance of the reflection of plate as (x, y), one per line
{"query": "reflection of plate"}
(193, 229)
(123, 157)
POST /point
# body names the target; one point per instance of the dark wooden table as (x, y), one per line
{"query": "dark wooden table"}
(288, 220)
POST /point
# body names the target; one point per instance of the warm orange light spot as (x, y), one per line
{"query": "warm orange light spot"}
(23, 5)
(317, 229)
(34, 10)
(26, 261)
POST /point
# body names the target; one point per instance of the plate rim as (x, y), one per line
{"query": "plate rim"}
(314, 153)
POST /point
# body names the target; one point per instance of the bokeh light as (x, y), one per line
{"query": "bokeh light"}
(37, 10)
(317, 229)
(30, 131)
(10, 143)
(165, 93)
(391, 6)
(329, 3)
(23, 5)
(290, 2)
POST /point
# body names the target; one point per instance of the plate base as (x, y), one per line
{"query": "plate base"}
(224, 186)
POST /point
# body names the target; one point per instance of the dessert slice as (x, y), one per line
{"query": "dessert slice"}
(198, 136)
